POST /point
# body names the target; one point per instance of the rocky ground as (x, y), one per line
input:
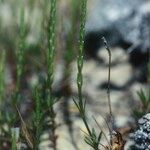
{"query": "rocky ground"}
(95, 76)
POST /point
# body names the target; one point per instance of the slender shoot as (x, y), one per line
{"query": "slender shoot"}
(108, 89)
(50, 73)
(20, 55)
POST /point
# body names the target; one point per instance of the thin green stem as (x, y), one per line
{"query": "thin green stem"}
(51, 50)
(81, 52)
(92, 138)
(50, 73)
(20, 54)
(2, 67)
(37, 118)
(80, 63)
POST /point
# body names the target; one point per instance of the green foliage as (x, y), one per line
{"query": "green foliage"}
(20, 56)
(14, 147)
(91, 138)
(14, 138)
(2, 67)
(51, 46)
(145, 99)
(50, 73)
(38, 118)
(10, 116)
(148, 68)
(81, 52)
(144, 96)
(69, 55)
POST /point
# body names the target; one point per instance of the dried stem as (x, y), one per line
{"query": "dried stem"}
(108, 89)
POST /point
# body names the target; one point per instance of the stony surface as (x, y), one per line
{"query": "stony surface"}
(141, 136)
(129, 20)
(94, 73)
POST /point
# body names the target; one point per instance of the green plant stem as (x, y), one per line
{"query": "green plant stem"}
(2, 67)
(148, 66)
(51, 49)
(92, 139)
(81, 52)
(50, 65)
(37, 118)
(14, 146)
(80, 63)
(20, 55)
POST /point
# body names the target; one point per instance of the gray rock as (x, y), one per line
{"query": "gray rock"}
(141, 137)
(128, 21)
(124, 24)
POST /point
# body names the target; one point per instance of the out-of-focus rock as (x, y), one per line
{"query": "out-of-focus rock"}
(123, 23)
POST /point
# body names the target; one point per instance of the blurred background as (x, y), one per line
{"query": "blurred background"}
(126, 27)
